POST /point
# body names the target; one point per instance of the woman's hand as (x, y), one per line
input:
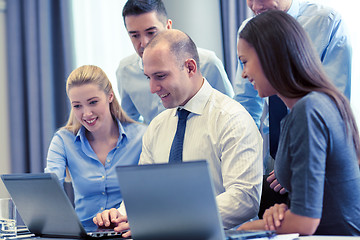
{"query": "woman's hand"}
(274, 216)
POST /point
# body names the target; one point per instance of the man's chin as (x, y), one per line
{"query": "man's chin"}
(168, 106)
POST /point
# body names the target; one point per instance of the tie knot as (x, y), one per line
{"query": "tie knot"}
(183, 114)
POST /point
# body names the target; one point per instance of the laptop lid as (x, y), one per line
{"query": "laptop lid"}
(170, 201)
(44, 206)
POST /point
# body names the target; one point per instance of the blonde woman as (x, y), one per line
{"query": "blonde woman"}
(97, 138)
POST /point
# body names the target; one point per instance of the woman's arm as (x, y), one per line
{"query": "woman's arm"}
(56, 158)
(282, 220)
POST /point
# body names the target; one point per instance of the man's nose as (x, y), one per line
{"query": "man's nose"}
(144, 41)
(154, 87)
(257, 7)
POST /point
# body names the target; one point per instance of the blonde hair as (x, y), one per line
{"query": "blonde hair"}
(89, 74)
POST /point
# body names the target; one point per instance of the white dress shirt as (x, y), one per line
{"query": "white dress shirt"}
(221, 131)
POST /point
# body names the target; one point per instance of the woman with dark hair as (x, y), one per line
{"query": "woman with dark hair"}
(98, 137)
(317, 160)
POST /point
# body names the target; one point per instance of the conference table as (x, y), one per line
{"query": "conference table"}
(26, 235)
(278, 237)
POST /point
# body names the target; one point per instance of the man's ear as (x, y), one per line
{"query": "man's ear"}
(191, 67)
(169, 24)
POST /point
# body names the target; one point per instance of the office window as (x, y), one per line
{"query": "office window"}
(348, 10)
(100, 35)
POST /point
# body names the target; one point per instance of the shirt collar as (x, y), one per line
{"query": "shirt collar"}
(294, 9)
(80, 136)
(198, 102)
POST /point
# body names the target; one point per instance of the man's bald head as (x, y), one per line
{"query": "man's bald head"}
(179, 44)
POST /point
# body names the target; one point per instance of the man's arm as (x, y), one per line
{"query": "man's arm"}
(332, 44)
(337, 57)
(241, 168)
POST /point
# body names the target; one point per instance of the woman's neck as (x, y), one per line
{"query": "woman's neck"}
(289, 102)
(105, 134)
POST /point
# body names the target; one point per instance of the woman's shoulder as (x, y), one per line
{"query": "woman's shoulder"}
(314, 100)
(316, 105)
(65, 134)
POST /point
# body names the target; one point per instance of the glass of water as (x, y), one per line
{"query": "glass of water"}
(7, 218)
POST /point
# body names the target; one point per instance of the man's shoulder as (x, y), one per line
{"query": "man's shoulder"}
(205, 52)
(226, 107)
(130, 66)
(208, 58)
(206, 55)
(315, 11)
(129, 60)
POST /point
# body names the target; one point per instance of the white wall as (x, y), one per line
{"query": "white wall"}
(107, 27)
(4, 123)
(200, 19)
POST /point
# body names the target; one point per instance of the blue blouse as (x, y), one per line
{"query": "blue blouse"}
(95, 185)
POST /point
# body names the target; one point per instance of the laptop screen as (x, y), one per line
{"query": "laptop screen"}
(170, 201)
(44, 206)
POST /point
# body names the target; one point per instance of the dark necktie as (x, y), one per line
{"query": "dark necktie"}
(176, 150)
(277, 110)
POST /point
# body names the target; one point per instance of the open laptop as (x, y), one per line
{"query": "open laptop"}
(45, 208)
(174, 201)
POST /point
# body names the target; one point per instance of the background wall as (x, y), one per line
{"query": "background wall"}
(202, 22)
(4, 123)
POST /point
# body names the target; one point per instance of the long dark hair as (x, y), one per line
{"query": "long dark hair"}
(291, 64)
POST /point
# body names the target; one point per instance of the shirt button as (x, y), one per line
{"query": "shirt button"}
(102, 208)
(103, 193)
(102, 177)
(108, 160)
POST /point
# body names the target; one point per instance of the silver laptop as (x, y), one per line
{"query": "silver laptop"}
(174, 201)
(45, 208)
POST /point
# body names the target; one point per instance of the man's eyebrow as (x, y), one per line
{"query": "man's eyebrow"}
(155, 73)
(150, 28)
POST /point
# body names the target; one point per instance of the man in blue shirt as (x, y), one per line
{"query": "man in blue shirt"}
(331, 41)
(143, 20)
